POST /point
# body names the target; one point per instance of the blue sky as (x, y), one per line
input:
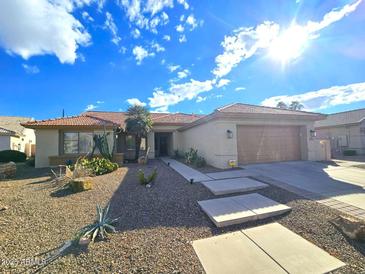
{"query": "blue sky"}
(179, 56)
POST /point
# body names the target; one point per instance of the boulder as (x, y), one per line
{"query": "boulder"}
(7, 170)
(351, 227)
(81, 184)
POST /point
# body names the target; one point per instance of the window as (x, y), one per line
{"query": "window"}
(77, 142)
(131, 142)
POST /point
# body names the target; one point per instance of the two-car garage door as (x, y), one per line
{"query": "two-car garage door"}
(260, 144)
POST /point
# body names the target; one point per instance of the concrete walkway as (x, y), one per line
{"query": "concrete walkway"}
(270, 248)
(230, 174)
(187, 172)
(339, 187)
(235, 185)
(240, 209)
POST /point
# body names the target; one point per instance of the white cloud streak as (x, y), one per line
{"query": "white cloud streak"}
(140, 53)
(110, 25)
(323, 98)
(30, 69)
(135, 102)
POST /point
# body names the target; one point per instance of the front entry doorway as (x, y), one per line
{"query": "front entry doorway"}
(162, 143)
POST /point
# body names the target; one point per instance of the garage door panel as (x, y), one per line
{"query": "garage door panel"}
(258, 144)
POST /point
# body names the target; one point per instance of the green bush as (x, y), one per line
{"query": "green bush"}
(145, 180)
(192, 158)
(12, 156)
(349, 152)
(99, 166)
(30, 161)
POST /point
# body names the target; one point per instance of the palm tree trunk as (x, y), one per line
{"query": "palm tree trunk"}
(138, 145)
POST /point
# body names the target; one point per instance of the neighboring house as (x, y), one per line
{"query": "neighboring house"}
(239, 132)
(13, 136)
(346, 130)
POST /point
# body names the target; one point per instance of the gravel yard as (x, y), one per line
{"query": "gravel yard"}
(155, 228)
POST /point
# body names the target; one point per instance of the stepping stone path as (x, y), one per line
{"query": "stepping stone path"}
(227, 186)
(241, 209)
(270, 248)
(187, 172)
(230, 174)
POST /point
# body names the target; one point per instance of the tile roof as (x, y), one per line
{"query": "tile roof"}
(342, 118)
(6, 132)
(13, 123)
(246, 108)
(82, 120)
(106, 118)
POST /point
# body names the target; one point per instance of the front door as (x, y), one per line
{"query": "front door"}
(163, 145)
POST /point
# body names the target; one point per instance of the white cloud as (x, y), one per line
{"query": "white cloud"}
(136, 33)
(140, 53)
(110, 25)
(167, 37)
(155, 6)
(222, 83)
(200, 99)
(178, 93)
(183, 74)
(172, 68)
(91, 107)
(135, 102)
(184, 3)
(247, 41)
(191, 21)
(180, 28)
(182, 38)
(87, 16)
(30, 69)
(239, 88)
(156, 46)
(242, 45)
(100, 102)
(323, 98)
(26, 29)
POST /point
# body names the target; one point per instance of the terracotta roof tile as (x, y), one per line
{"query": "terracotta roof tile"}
(342, 118)
(245, 108)
(101, 118)
(6, 132)
(82, 120)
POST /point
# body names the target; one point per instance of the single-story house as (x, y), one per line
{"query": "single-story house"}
(13, 136)
(346, 130)
(239, 132)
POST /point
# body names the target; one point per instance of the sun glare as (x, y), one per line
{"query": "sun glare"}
(289, 44)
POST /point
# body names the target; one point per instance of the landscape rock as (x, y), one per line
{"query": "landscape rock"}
(351, 227)
(7, 170)
(81, 184)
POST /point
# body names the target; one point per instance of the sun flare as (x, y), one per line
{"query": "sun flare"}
(289, 45)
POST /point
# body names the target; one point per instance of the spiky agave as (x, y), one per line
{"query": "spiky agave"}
(101, 227)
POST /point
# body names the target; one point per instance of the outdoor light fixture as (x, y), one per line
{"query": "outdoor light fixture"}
(229, 134)
(313, 133)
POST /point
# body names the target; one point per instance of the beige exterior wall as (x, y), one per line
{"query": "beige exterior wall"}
(345, 137)
(4, 143)
(213, 144)
(48, 141)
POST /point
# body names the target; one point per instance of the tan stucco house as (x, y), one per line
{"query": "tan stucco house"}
(13, 136)
(346, 130)
(239, 132)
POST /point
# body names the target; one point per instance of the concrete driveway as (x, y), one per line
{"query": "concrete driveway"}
(344, 183)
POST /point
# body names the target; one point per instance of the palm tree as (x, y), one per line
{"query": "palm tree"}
(282, 105)
(138, 123)
(296, 105)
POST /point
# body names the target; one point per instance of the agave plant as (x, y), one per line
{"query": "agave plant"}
(100, 228)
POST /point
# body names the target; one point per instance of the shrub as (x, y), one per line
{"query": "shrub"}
(145, 180)
(192, 158)
(100, 228)
(349, 152)
(177, 154)
(30, 161)
(99, 166)
(12, 156)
